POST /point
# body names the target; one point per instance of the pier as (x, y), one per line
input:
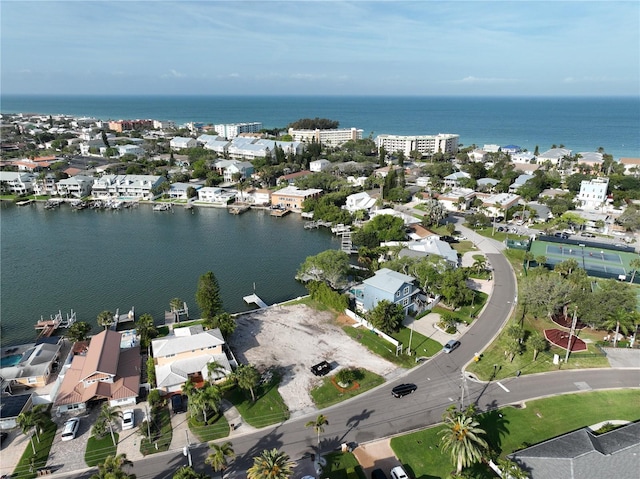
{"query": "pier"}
(278, 212)
(48, 326)
(238, 210)
(254, 299)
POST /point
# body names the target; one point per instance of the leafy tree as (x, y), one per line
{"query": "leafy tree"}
(331, 267)
(224, 321)
(453, 287)
(247, 378)
(537, 343)
(218, 459)
(386, 316)
(146, 330)
(451, 228)
(314, 123)
(78, 331)
(434, 212)
(186, 472)
(379, 229)
(318, 425)
(105, 319)
(151, 371)
(113, 468)
(271, 464)
(208, 295)
(609, 296)
(516, 332)
(462, 438)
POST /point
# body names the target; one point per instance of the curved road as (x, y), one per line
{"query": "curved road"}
(376, 414)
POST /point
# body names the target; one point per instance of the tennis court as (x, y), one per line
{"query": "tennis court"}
(596, 261)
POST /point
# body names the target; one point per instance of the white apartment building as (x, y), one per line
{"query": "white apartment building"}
(326, 137)
(231, 130)
(425, 144)
(593, 193)
(77, 186)
(17, 183)
(127, 186)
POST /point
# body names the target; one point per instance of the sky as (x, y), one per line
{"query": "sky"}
(331, 47)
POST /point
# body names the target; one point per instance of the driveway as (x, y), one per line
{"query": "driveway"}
(623, 357)
(69, 455)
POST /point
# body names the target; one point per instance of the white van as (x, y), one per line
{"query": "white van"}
(398, 473)
(70, 429)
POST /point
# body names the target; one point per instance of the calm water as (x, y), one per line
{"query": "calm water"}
(581, 124)
(90, 261)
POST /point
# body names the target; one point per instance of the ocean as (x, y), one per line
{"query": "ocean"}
(581, 124)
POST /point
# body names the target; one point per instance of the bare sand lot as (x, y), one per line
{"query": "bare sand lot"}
(294, 338)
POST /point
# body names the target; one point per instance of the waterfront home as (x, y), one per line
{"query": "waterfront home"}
(77, 186)
(317, 166)
(519, 182)
(186, 354)
(477, 155)
(407, 219)
(131, 186)
(292, 198)
(553, 156)
(359, 201)
(593, 193)
(593, 159)
(16, 183)
(215, 196)
(179, 191)
(631, 165)
(510, 149)
(101, 371)
(258, 196)
(12, 407)
(241, 169)
(523, 157)
(291, 178)
(181, 143)
(491, 148)
(387, 285)
(486, 184)
(30, 365)
(45, 185)
(497, 205)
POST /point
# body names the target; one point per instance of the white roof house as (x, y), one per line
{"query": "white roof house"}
(77, 186)
(359, 201)
(519, 182)
(216, 196)
(522, 157)
(132, 186)
(16, 182)
(453, 180)
(554, 155)
(432, 245)
(319, 165)
(593, 193)
(180, 143)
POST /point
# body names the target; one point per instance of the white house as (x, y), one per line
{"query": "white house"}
(453, 180)
(477, 155)
(77, 186)
(359, 201)
(553, 155)
(523, 157)
(130, 150)
(491, 148)
(17, 183)
(215, 196)
(179, 190)
(180, 143)
(457, 199)
(504, 200)
(131, 186)
(593, 193)
(319, 165)
(433, 245)
(519, 182)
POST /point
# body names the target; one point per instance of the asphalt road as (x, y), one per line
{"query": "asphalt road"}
(376, 414)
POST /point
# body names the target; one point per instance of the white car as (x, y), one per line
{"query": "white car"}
(70, 429)
(128, 419)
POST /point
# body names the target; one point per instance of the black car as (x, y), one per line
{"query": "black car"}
(403, 390)
(378, 474)
(178, 404)
(321, 369)
(449, 239)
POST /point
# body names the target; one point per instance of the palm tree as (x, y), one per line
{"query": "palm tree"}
(462, 438)
(175, 304)
(146, 330)
(218, 458)
(528, 257)
(188, 388)
(112, 468)
(621, 320)
(271, 464)
(635, 266)
(105, 319)
(108, 415)
(511, 469)
(33, 419)
(215, 370)
(480, 263)
(317, 425)
(512, 348)
(206, 399)
(538, 343)
(247, 377)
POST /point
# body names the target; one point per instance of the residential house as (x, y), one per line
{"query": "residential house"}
(584, 454)
(131, 186)
(387, 285)
(102, 371)
(292, 177)
(477, 155)
(186, 354)
(457, 199)
(510, 149)
(526, 167)
(359, 201)
(215, 196)
(78, 186)
(17, 183)
(45, 185)
(453, 180)
(179, 191)
(553, 156)
(523, 157)
(486, 184)
(292, 198)
(181, 143)
(240, 169)
(406, 218)
(593, 193)
(497, 205)
(491, 148)
(631, 165)
(519, 182)
(430, 246)
(319, 165)
(11, 407)
(31, 364)
(219, 145)
(130, 150)
(258, 196)
(592, 159)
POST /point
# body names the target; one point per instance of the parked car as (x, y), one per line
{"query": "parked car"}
(3, 436)
(70, 429)
(378, 474)
(451, 345)
(586, 234)
(128, 419)
(178, 404)
(561, 235)
(399, 473)
(321, 368)
(449, 239)
(403, 390)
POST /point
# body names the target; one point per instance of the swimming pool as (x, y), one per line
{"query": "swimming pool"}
(11, 360)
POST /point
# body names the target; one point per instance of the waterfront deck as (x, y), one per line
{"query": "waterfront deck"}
(238, 210)
(254, 299)
(279, 212)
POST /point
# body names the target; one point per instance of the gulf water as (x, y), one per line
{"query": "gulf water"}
(91, 261)
(581, 124)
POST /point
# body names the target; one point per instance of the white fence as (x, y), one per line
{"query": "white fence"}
(366, 324)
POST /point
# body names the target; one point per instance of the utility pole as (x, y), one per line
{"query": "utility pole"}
(571, 333)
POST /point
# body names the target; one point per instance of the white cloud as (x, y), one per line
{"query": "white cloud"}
(173, 74)
(485, 80)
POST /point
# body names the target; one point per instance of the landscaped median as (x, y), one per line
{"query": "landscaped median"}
(510, 429)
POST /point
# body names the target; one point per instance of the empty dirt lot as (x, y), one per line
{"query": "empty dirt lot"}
(294, 338)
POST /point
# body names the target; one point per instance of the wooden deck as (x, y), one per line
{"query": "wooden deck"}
(279, 213)
(254, 299)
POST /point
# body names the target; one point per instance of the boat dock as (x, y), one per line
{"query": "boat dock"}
(24, 202)
(238, 209)
(279, 212)
(48, 326)
(254, 299)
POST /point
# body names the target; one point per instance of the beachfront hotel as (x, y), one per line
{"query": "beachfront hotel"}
(425, 144)
(326, 137)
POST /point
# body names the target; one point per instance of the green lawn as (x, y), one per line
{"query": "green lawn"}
(269, 407)
(420, 344)
(217, 428)
(541, 420)
(29, 463)
(328, 393)
(379, 346)
(98, 449)
(342, 465)
(161, 432)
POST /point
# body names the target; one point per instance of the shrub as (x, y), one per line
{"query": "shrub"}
(322, 293)
(348, 375)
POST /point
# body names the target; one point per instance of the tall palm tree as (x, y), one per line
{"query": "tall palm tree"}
(247, 377)
(108, 415)
(271, 464)
(215, 370)
(318, 425)
(461, 438)
(480, 263)
(622, 320)
(105, 319)
(635, 266)
(33, 420)
(218, 459)
(206, 399)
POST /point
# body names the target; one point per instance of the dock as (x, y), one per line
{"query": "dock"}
(47, 327)
(277, 212)
(238, 210)
(24, 203)
(254, 299)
